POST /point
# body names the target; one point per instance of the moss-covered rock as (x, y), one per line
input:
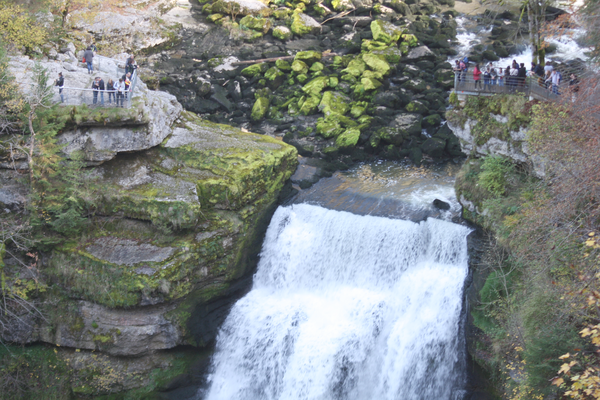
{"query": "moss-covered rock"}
(358, 109)
(282, 13)
(309, 106)
(385, 32)
(432, 121)
(299, 67)
(348, 139)
(215, 17)
(302, 24)
(283, 65)
(376, 63)
(308, 57)
(390, 54)
(329, 127)
(417, 106)
(254, 70)
(258, 24)
(316, 86)
(401, 128)
(355, 67)
(370, 83)
(260, 108)
(282, 33)
(317, 67)
(334, 103)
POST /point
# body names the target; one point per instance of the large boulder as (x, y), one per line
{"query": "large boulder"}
(303, 24)
(401, 128)
(334, 103)
(420, 53)
(241, 7)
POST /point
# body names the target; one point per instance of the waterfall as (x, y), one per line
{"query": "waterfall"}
(347, 307)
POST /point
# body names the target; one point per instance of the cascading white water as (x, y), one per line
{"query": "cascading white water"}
(347, 307)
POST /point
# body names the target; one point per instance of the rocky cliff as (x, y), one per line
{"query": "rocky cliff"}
(180, 210)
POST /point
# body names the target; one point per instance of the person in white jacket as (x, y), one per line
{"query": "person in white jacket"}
(120, 88)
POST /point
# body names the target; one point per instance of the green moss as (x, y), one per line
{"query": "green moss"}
(298, 26)
(262, 25)
(370, 83)
(348, 139)
(385, 31)
(255, 69)
(316, 86)
(308, 57)
(355, 68)
(376, 63)
(260, 108)
(334, 102)
(299, 67)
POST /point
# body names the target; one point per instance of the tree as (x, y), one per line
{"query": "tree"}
(18, 28)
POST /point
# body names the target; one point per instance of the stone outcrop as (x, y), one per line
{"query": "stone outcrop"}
(512, 145)
(181, 208)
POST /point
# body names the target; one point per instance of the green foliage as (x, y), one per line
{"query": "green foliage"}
(494, 172)
(18, 28)
(33, 372)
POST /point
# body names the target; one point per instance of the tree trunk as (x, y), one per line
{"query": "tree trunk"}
(31, 145)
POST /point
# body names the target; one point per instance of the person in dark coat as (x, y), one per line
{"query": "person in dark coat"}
(101, 88)
(130, 64)
(96, 89)
(522, 74)
(60, 82)
(89, 59)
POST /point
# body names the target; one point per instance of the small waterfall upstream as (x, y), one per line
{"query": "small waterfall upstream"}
(347, 307)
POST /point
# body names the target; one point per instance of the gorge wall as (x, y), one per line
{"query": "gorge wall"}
(180, 206)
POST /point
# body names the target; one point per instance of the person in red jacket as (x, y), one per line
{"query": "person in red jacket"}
(477, 76)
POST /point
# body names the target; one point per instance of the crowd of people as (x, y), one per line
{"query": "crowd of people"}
(117, 89)
(513, 76)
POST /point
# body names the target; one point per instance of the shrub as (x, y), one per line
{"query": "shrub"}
(494, 172)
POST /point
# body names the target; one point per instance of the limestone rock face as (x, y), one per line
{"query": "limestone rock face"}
(154, 115)
(100, 134)
(516, 148)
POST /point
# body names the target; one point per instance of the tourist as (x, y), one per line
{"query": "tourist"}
(514, 76)
(120, 88)
(96, 88)
(537, 69)
(500, 77)
(522, 74)
(574, 83)
(127, 82)
(88, 57)
(486, 78)
(60, 82)
(110, 87)
(463, 70)
(555, 81)
(507, 78)
(130, 64)
(493, 74)
(515, 65)
(101, 88)
(477, 76)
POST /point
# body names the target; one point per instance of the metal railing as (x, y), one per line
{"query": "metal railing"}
(70, 96)
(531, 86)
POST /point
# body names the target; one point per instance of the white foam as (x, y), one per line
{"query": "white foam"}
(347, 307)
